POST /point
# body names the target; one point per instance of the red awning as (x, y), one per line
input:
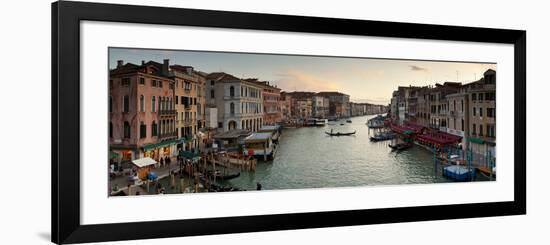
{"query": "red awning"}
(411, 127)
(440, 138)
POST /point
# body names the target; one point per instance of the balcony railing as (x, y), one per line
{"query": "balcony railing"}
(167, 112)
(168, 135)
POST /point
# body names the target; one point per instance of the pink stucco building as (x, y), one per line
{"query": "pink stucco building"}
(141, 111)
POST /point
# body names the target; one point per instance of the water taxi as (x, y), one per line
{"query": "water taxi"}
(316, 122)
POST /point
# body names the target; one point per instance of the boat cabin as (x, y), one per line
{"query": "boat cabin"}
(231, 140)
(275, 130)
(259, 145)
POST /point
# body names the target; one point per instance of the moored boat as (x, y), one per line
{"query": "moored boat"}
(382, 136)
(260, 145)
(320, 122)
(459, 173)
(220, 176)
(339, 134)
(400, 146)
(376, 122)
(316, 122)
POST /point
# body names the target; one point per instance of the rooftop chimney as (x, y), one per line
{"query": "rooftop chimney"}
(165, 66)
(142, 62)
(119, 63)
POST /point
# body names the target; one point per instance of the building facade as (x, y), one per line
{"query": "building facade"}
(239, 102)
(458, 118)
(466, 110)
(285, 105)
(482, 112)
(190, 104)
(338, 104)
(320, 106)
(439, 105)
(272, 107)
(301, 105)
(141, 111)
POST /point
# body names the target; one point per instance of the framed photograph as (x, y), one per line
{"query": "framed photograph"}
(174, 122)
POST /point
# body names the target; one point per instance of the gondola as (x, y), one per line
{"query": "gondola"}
(220, 176)
(340, 134)
(228, 177)
(220, 188)
(400, 146)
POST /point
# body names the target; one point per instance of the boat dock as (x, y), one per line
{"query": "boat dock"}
(233, 160)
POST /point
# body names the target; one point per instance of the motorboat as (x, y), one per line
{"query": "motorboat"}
(382, 136)
(400, 146)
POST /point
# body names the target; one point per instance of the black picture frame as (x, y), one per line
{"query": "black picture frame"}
(65, 200)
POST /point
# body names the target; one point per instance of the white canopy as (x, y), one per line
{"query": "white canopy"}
(144, 162)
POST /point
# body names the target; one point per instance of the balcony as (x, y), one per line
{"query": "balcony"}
(454, 114)
(167, 112)
(168, 135)
(188, 122)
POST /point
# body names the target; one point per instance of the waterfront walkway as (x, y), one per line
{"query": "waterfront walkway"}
(122, 181)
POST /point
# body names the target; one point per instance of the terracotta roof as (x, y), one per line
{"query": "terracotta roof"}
(155, 64)
(300, 94)
(261, 83)
(180, 67)
(133, 68)
(126, 68)
(221, 76)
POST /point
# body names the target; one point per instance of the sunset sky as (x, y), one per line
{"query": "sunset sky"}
(365, 80)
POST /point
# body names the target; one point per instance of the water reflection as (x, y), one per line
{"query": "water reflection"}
(308, 158)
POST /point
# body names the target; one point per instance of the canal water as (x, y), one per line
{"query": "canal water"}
(308, 158)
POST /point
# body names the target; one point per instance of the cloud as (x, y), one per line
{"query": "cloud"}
(294, 80)
(418, 68)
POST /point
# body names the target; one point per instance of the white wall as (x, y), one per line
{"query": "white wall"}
(25, 208)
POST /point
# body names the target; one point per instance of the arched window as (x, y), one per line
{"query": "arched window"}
(232, 108)
(125, 103)
(199, 109)
(141, 103)
(142, 130)
(160, 103)
(153, 104)
(126, 130)
(154, 129)
(232, 91)
(110, 103)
